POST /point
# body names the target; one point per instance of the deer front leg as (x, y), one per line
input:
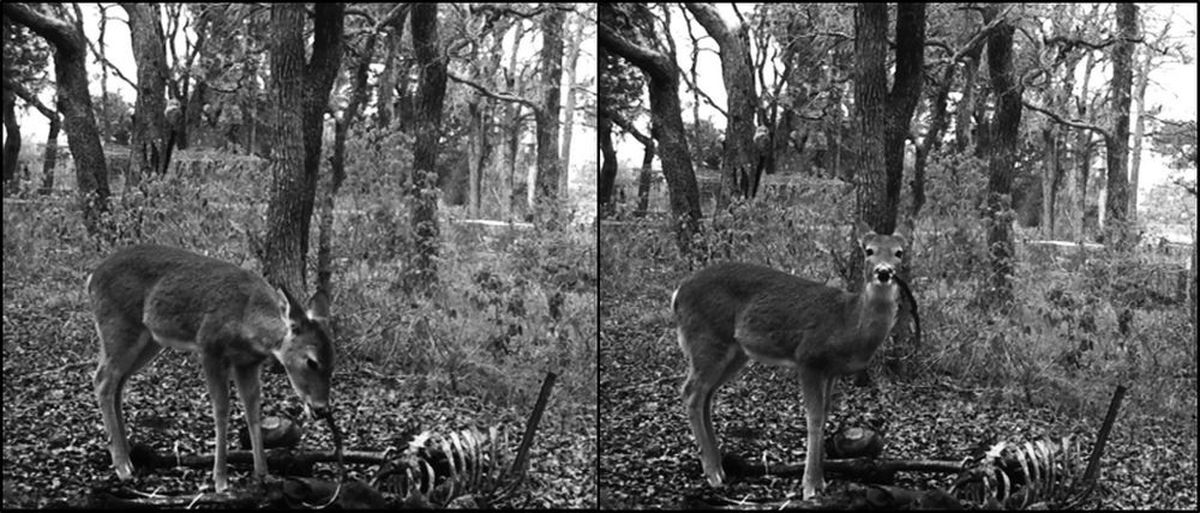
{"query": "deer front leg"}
(816, 387)
(249, 383)
(216, 374)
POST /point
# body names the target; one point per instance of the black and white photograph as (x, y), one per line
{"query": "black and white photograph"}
(600, 256)
(377, 221)
(892, 256)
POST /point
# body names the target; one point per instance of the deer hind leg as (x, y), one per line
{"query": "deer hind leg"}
(125, 347)
(712, 363)
(818, 389)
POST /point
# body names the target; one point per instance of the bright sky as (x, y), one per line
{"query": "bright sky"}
(1172, 85)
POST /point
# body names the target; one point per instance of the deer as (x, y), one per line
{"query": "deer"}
(147, 297)
(729, 313)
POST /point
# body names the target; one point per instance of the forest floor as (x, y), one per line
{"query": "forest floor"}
(55, 452)
(649, 460)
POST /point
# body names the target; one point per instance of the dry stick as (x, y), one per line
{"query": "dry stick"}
(522, 462)
(1093, 468)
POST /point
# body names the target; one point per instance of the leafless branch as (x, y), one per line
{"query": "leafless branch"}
(489, 93)
(1071, 123)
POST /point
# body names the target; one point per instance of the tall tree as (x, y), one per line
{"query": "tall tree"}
(149, 152)
(548, 167)
(75, 103)
(666, 117)
(287, 225)
(1002, 153)
(902, 99)
(300, 94)
(431, 91)
(577, 33)
(738, 164)
(870, 88)
(1116, 205)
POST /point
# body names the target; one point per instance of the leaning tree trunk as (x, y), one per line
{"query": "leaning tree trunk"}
(738, 164)
(75, 103)
(666, 118)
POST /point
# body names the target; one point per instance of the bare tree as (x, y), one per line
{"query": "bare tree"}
(75, 103)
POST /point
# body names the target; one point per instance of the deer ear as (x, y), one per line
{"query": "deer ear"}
(318, 305)
(291, 309)
(863, 231)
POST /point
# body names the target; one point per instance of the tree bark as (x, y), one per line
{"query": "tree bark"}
(870, 88)
(1002, 148)
(75, 103)
(148, 152)
(963, 125)
(548, 164)
(287, 226)
(902, 100)
(319, 73)
(739, 161)
(12, 141)
(1116, 206)
(431, 91)
(575, 39)
(608, 164)
(1135, 160)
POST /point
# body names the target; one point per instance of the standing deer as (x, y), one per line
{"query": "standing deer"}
(148, 297)
(729, 313)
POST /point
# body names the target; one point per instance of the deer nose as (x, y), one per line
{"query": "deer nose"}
(884, 274)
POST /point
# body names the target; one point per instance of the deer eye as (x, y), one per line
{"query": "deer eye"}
(870, 251)
(899, 253)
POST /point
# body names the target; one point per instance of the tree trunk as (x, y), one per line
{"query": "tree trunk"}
(50, 157)
(575, 38)
(608, 165)
(287, 226)
(738, 162)
(902, 100)
(427, 123)
(12, 141)
(666, 118)
(337, 163)
(1083, 150)
(387, 78)
(643, 191)
(319, 73)
(1049, 177)
(1002, 150)
(1135, 161)
(962, 124)
(148, 144)
(548, 164)
(75, 103)
(475, 137)
(870, 88)
(1117, 230)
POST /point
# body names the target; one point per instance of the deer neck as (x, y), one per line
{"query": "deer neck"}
(876, 310)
